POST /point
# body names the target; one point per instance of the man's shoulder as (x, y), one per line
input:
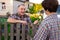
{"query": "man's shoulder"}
(14, 14)
(26, 15)
(44, 21)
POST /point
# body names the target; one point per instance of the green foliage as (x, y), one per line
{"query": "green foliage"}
(31, 10)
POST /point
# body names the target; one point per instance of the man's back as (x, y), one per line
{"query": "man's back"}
(49, 29)
(53, 27)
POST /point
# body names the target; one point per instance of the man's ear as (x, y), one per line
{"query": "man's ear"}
(47, 10)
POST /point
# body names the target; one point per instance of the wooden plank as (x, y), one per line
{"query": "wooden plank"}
(23, 32)
(33, 27)
(11, 32)
(28, 36)
(0, 32)
(18, 31)
(5, 31)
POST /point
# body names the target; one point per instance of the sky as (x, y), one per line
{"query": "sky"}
(39, 1)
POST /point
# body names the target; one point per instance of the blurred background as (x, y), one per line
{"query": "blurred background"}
(10, 6)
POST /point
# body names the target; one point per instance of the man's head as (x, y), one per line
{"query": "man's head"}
(50, 5)
(21, 9)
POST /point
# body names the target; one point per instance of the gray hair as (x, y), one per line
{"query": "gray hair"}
(21, 5)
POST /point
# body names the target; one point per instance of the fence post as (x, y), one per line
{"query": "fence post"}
(33, 29)
(5, 31)
(0, 32)
(11, 32)
(18, 31)
(28, 36)
(23, 32)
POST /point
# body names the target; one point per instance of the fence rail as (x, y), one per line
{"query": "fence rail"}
(20, 34)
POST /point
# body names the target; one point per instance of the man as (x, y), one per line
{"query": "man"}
(49, 28)
(20, 17)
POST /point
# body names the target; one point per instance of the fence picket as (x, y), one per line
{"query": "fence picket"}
(5, 31)
(24, 35)
(11, 33)
(18, 32)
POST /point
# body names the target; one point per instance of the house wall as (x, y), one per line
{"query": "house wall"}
(9, 7)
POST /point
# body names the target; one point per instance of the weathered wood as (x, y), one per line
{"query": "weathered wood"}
(33, 27)
(24, 35)
(28, 36)
(5, 31)
(18, 32)
(23, 32)
(11, 33)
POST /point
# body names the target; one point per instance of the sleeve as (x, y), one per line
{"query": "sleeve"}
(42, 33)
(29, 20)
(13, 16)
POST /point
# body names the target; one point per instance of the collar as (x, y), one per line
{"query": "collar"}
(51, 16)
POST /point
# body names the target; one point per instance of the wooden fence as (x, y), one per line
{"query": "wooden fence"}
(20, 34)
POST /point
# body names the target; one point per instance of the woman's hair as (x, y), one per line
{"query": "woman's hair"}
(50, 5)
